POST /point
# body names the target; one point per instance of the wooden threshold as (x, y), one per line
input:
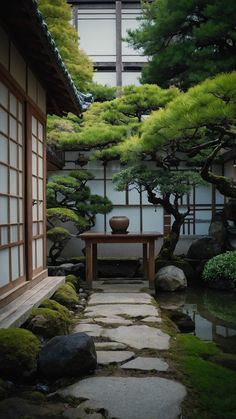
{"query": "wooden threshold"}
(16, 312)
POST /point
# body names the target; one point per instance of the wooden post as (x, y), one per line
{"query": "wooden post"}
(89, 262)
(151, 264)
(145, 264)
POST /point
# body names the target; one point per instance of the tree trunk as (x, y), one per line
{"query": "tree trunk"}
(170, 241)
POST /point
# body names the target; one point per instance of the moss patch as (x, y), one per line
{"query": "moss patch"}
(48, 323)
(211, 386)
(19, 351)
(54, 305)
(74, 281)
(66, 296)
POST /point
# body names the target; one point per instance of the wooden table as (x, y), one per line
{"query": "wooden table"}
(146, 239)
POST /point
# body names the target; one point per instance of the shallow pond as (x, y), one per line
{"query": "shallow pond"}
(214, 313)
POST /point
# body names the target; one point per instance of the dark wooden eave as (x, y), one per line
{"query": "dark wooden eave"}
(23, 21)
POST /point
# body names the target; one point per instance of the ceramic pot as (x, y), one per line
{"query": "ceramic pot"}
(119, 224)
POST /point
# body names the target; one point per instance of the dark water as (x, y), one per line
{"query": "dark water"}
(214, 313)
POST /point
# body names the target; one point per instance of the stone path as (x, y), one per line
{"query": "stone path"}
(125, 324)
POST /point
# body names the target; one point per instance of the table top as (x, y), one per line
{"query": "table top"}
(110, 236)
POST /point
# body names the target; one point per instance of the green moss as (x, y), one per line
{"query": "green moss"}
(35, 396)
(66, 295)
(211, 386)
(48, 323)
(74, 281)
(54, 305)
(19, 351)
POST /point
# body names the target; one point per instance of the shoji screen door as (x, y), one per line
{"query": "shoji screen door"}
(12, 220)
(38, 198)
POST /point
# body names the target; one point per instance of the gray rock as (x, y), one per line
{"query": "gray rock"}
(66, 269)
(204, 248)
(91, 329)
(170, 278)
(112, 346)
(111, 310)
(113, 357)
(67, 356)
(139, 337)
(121, 297)
(132, 397)
(146, 364)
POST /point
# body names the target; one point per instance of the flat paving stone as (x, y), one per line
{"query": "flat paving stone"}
(146, 364)
(129, 287)
(151, 319)
(112, 320)
(91, 329)
(139, 337)
(111, 357)
(132, 397)
(120, 297)
(111, 310)
(114, 346)
(81, 412)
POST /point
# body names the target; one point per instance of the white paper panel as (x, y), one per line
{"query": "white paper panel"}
(13, 128)
(34, 144)
(21, 220)
(96, 187)
(34, 188)
(101, 40)
(40, 167)
(99, 223)
(3, 179)
(35, 212)
(131, 77)
(40, 186)
(40, 148)
(20, 112)
(13, 105)
(3, 210)
(129, 22)
(96, 168)
(203, 195)
(3, 149)
(4, 235)
(153, 220)
(40, 208)
(134, 197)
(113, 167)
(14, 233)
(13, 154)
(20, 232)
(13, 182)
(22, 264)
(34, 164)
(20, 177)
(20, 158)
(4, 263)
(116, 197)
(219, 198)
(20, 134)
(3, 95)
(40, 131)
(15, 262)
(13, 211)
(3, 121)
(34, 126)
(33, 254)
(39, 252)
(41, 228)
(35, 229)
(105, 77)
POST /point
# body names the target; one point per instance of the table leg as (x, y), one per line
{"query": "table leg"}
(94, 261)
(89, 263)
(145, 264)
(151, 264)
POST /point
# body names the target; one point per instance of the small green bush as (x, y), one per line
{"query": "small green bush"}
(66, 296)
(220, 271)
(19, 350)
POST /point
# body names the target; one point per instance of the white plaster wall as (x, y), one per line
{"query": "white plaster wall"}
(108, 78)
(130, 77)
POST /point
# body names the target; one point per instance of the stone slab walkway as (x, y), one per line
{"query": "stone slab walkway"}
(115, 317)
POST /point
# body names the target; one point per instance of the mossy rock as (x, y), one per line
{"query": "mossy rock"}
(48, 323)
(74, 281)
(54, 305)
(19, 350)
(76, 259)
(66, 296)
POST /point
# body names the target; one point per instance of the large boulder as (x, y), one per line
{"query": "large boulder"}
(217, 228)
(170, 278)
(76, 269)
(68, 356)
(205, 248)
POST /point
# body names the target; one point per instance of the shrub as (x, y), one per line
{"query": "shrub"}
(220, 271)
(19, 351)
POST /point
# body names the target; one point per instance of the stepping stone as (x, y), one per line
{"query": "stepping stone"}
(146, 364)
(132, 397)
(110, 357)
(112, 310)
(109, 345)
(120, 297)
(151, 319)
(121, 287)
(81, 412)
(113, 320)
(91, 329)
(139, 337)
